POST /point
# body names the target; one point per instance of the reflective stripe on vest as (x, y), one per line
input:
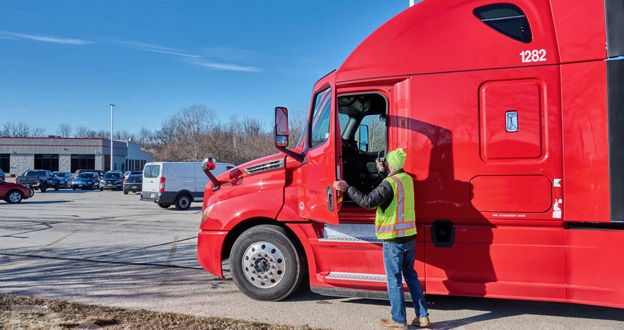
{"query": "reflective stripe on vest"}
(392, 222)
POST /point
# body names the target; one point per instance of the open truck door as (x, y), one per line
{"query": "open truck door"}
(321, 147)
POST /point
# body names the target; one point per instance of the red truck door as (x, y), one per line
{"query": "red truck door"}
(317, 198)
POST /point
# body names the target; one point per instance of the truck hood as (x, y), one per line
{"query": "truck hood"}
(251, 190)
(258, 170)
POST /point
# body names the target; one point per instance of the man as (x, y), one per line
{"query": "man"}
(395, 226)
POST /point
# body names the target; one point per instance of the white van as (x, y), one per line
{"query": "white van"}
(176, 183)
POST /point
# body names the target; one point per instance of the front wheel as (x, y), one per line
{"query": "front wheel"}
(14, 197)
(266, 264)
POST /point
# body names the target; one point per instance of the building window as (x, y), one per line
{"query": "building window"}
(82, 162)
(5, 163)
(47, 162)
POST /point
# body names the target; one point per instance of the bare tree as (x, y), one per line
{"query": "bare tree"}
(20, 129)
(183, 135)
(64, 130)
(248, 140)
(195, 133)
(84, 132)
(38, 131)
(123, 135)
(146, 138)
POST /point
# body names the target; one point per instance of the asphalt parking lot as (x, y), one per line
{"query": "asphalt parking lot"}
(112, 249)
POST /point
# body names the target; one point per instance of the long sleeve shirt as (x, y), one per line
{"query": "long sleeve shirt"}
(381, 196)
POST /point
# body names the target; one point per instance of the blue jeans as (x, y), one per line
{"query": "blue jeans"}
(399, 263)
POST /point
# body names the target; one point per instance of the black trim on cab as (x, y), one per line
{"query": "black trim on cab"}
(614, 12)
(615, 86)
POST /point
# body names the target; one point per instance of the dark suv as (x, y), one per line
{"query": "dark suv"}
(86, 180)
(112, 180)
(100, 173)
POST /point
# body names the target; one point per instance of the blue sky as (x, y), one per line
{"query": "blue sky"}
(65, 61)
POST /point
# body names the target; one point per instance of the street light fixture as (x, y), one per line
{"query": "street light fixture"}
(111, 137)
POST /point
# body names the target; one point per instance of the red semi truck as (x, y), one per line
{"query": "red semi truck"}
(512, 116)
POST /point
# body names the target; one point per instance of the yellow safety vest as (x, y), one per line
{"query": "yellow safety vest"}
(399, 218)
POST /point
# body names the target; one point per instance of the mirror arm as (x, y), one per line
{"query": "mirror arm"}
(207, 165)
(300, 157)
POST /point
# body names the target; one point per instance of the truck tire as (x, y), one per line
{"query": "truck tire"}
(14, 197)
(266, 264)
(164, 205)
(183, 201)
(43, 187)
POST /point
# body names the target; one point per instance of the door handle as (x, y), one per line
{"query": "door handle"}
(330, 198)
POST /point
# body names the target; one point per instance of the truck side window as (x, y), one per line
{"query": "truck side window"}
(377, 132)
(321, 118)
(507, 19)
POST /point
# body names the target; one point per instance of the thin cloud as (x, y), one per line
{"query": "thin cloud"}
(47, 39)
(154, 48)
(225, 66)
(190, 58)
(195, 59)
(231, 54)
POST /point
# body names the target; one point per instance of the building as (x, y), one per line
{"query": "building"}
(18, 154)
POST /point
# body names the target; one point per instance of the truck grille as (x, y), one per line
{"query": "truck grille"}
(264, 167)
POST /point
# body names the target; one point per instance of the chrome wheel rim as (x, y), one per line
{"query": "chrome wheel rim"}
(263, 265)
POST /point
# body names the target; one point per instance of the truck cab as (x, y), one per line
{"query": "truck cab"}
(509, 113)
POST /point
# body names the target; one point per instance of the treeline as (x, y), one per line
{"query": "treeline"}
(190, 135)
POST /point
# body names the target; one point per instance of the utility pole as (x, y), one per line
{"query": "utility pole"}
(111, 137)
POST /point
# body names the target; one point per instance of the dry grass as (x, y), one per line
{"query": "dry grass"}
(34, 313)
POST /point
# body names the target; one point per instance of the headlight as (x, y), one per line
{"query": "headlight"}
(207, 212)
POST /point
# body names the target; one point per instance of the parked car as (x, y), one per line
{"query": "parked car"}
(111, 180)
(65, 179)
(128, 173)
(38, 179)
(2, 176)
(134, 183)
(14, 193)
(86, 180)
(100, 173)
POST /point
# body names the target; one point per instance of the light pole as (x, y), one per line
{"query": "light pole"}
(111, 138)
